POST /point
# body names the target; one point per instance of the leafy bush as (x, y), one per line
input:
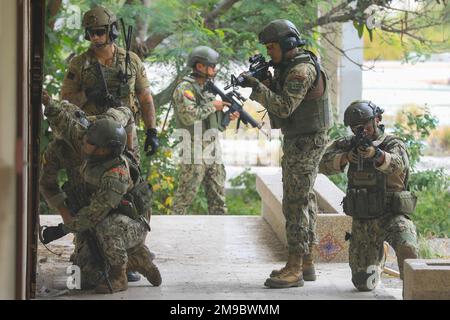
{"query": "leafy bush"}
(247, 200)
(415, 132)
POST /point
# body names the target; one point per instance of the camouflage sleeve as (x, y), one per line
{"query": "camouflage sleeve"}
(396, 158)
(142, 81)
(123, 115)
(331, 160)
(64, 123)
(113, 186)
(71, 89)
(185, 103)
(48, 180)
(298, 82)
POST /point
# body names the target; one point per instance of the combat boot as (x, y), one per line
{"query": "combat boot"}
(289, 276)
(404, 252)
(308, 269)
(117, 276)
(140, 260)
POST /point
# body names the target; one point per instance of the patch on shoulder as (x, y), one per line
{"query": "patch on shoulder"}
(119, 170)
(189, 94)
(294, 85)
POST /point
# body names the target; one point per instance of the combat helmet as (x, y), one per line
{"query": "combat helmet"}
(204, 55)
(100, 16)
(107, 133)
(281, 31)
(359, 112)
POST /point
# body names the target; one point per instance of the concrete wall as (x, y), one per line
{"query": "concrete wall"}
(8, 104)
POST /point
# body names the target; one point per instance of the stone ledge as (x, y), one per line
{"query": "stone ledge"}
(427, 279)
(331, 226)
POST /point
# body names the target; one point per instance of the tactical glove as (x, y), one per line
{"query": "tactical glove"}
(366, 153)
(52, 233)
(249, 81)
(151, 141)
(352, 156)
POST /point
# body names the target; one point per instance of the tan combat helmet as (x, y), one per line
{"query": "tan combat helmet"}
(100, 16)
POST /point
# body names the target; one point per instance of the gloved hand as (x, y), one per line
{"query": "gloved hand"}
(151, 141)
(249, 81)
(52, 233)
(367, 153)
(352, 156)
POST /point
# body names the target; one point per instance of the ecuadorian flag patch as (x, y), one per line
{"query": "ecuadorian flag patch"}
(188, 94)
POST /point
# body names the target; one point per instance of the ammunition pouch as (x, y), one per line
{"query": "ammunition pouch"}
(137, 202)
(361, 204)
(403, 202)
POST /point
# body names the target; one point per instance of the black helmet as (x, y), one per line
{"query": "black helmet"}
(107, 133)
(98, 17)
(204, 55)
(283, 32)
(360, 112)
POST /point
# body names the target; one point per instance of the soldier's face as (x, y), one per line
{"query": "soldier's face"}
(89, 149)
(274, 51)
(369, 128)
(209, 70)
(97, 36)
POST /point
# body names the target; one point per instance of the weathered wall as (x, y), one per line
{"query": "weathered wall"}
(8, 89)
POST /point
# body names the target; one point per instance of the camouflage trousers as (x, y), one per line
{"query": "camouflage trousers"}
(211, 176)
(366, 251)
(115, 236)
(300, 164)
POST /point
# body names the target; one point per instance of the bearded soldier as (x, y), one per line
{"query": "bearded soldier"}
(195, 107)
(102, 77)
(296, 99)
(113, 216)
(377, 193)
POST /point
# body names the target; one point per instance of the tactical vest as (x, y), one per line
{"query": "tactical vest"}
(213, 121)
(136, 202)
(367, 196)
(113, 76)
(314, 112)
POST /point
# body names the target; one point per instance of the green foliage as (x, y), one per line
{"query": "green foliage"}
(414, 133)
(246, 200)
(425, 250)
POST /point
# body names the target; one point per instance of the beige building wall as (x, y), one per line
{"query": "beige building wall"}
(8, 104)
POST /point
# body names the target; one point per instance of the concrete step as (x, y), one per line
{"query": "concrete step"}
(211, 257)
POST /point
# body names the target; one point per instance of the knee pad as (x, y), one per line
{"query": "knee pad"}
(366, 281)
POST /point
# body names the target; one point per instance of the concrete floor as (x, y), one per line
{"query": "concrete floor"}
(211, 257)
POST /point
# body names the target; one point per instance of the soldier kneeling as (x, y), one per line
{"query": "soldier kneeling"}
(377, 194)
(114, 222)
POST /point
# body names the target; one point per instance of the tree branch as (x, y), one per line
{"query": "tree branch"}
(220, 8)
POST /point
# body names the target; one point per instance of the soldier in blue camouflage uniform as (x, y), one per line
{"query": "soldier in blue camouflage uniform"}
(195, 107)
(377, 195)
(107, 175)
(297, 102)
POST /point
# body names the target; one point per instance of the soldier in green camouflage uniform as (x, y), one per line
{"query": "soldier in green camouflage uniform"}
(60, 156)
(377, 196)
(126, 84)
(195, 108)
(103, 218)
(296, 99)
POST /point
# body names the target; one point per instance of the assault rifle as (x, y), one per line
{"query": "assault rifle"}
(236, 101)
(360, 140)
(258, 68)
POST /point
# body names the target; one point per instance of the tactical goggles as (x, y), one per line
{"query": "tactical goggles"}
(98, 32)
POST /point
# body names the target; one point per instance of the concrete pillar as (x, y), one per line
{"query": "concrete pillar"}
(350, 74)
(8, 105)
